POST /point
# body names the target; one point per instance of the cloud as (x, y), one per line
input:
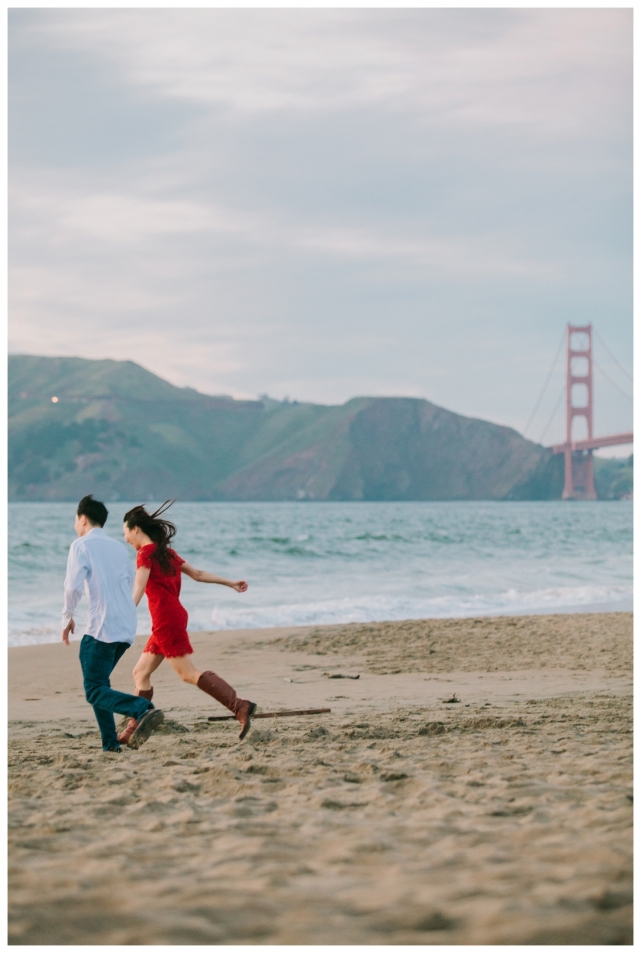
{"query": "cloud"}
(552, 70)
(85, 222)
(462, 257)
(323, 202)
(126, 219)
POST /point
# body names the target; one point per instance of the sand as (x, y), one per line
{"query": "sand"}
(401, 817)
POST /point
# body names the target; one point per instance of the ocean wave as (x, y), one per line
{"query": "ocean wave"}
(379, 608)
(389, 608)
(346, 562)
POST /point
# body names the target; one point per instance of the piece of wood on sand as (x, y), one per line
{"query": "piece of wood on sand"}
(274, 714)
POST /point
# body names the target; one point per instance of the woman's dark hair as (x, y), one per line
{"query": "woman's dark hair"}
(160, 532)
(95, 511)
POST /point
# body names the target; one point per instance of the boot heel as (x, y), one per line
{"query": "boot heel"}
(247, 719)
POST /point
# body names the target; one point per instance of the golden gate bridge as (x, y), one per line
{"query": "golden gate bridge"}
(579, 405)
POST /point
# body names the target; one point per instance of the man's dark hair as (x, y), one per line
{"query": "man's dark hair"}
(95, 511)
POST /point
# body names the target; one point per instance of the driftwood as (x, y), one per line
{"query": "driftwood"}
(273, 714)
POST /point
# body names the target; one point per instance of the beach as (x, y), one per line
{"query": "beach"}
(472, 786)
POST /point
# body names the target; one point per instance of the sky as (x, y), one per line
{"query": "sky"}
(318, 204)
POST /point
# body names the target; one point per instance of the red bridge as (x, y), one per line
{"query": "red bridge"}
(579, 462)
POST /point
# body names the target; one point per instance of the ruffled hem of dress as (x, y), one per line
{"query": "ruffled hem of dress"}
(171, 653)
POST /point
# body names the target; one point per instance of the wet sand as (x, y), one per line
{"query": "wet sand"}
(401, 817)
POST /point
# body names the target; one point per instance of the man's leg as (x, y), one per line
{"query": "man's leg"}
(98, 660)
(107, 728)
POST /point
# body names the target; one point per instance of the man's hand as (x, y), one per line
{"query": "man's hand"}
(70, 627)
(240, 586)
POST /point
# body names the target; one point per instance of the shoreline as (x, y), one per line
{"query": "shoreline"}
(400, 817)
(623, 605)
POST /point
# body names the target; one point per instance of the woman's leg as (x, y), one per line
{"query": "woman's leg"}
(143, 670)
(185, 668)
(218, 688)
(145, 666)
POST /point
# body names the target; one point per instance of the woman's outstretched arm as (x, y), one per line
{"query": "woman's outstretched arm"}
(140, 584)
(201, 576)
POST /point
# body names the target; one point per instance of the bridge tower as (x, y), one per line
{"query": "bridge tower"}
(579, 463)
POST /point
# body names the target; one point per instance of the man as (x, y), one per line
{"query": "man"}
(100, 566)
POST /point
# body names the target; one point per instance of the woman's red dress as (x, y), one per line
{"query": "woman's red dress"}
(168, 616)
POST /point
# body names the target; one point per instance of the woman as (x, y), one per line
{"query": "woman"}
(158, 573)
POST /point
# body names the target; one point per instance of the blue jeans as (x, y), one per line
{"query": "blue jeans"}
(98, 660)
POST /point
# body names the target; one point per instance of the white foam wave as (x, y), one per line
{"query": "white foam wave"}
(386, 608)
(379, 609)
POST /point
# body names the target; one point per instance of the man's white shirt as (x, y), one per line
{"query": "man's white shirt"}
(100, 567)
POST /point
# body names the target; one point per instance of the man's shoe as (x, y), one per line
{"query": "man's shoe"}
(151, 720)
(244, 715)
(115, 749)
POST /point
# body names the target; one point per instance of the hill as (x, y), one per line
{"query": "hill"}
(613, 479)
(120, 432)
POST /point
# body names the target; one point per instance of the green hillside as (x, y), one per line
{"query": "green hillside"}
(120, 432)
(613, 479)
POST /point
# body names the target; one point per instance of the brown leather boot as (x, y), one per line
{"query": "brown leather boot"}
(132, 724)
(215, 686)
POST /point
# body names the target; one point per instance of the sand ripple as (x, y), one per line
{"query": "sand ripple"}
(484, 825)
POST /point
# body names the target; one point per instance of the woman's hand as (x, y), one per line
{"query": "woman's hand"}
(240, 586)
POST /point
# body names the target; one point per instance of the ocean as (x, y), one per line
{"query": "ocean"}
(310, 563)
